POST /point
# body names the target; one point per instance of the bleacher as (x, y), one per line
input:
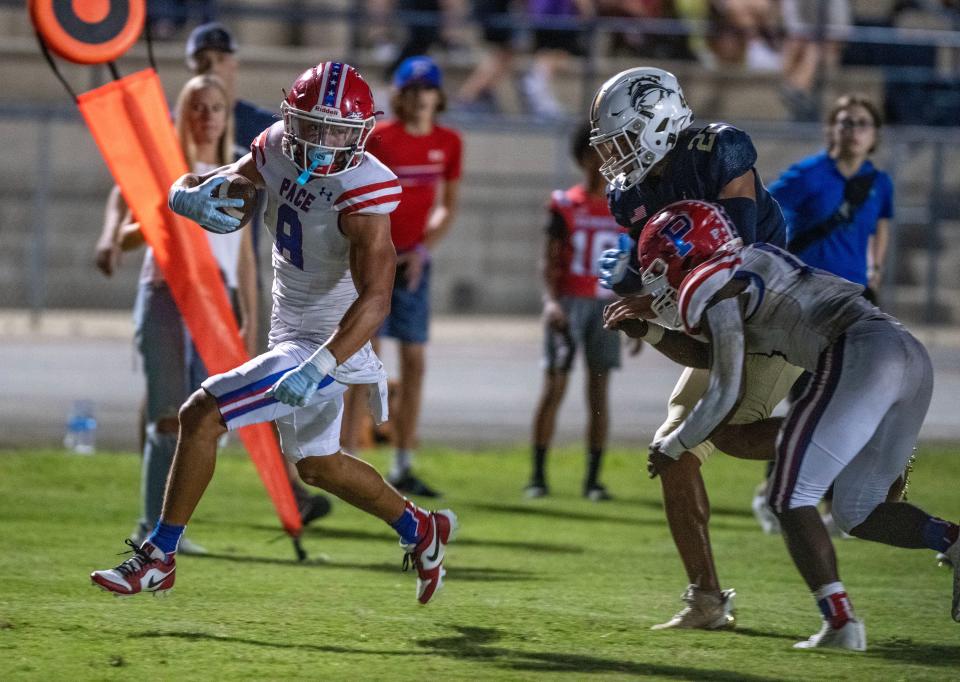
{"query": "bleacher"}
(489, 262)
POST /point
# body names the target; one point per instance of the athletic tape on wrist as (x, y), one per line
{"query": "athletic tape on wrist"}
(654, 334)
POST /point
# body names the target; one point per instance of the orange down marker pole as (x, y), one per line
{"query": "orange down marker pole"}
(130, 122)
(131, 125)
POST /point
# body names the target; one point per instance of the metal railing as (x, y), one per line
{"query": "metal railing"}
(918, 160)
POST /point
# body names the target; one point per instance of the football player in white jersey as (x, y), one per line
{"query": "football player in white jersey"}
(328, 205)
(856, 424)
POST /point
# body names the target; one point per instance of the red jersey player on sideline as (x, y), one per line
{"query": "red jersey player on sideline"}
(426, 158)
(580, 228)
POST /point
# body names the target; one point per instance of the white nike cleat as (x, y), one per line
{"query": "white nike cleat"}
(764, 515)
(953, 556)
(428, 554)
(852, 636)
(703, 611)
(148, 570)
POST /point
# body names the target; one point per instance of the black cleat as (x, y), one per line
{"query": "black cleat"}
(412, 485)
(597, 493)
(314, 507)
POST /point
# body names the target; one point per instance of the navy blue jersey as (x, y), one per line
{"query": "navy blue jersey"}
(704, 160)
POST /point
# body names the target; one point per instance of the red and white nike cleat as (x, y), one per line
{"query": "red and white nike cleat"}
(427, 555)
(148, 570)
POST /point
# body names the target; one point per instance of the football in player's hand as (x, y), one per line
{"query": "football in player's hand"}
(238, 187)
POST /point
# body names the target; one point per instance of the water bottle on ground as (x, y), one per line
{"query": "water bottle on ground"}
(81, 437)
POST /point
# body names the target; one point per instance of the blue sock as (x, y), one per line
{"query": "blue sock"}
(938, 534)
(407, 525)
(166, 537)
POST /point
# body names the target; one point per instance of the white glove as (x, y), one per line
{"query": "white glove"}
(198, 204)
(297, 386)
(615, 263)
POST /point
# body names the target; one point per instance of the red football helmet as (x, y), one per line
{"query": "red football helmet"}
(328, 116)
(673, 242)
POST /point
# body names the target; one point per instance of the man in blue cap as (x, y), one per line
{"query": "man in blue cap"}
(426, 157)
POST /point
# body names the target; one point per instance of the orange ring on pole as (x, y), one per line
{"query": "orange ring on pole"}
(89, 31)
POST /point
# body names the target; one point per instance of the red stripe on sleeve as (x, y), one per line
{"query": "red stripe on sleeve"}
(386, 199)
(350, 193)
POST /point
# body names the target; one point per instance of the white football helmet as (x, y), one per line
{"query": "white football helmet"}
(636, 117)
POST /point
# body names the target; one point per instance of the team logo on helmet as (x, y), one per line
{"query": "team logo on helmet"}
(647, 92)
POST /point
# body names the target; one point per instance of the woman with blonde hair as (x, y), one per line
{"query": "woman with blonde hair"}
(204, 122)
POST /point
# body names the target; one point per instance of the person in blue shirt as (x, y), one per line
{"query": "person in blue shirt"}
(813, 189)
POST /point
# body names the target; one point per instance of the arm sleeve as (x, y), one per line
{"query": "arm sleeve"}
(743, 212)
(726, 377)
(732, 155)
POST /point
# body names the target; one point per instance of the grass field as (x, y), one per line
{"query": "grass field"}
(559, 588)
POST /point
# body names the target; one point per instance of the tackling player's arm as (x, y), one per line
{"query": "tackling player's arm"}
(722, 323)
(628, 315)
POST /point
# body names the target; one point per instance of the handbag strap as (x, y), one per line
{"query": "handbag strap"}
(856, 191)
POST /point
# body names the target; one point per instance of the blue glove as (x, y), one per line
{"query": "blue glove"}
(615, 263)
(198, 204)
(297, 386)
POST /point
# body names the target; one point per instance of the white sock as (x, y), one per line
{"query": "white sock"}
(825, 591)
(402, 460)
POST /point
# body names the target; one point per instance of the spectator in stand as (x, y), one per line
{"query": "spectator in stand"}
(553, 46)
(814, 31)
(744, 33)
(170, 361)
(649, 45)
(424, 29)
(579, 228)
(426, 157)
(478, 92)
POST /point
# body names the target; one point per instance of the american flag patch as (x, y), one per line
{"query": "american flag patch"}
(638, 214)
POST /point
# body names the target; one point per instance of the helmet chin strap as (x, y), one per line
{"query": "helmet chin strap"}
(318, 157)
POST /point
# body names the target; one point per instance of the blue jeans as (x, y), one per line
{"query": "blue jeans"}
(173, 371)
